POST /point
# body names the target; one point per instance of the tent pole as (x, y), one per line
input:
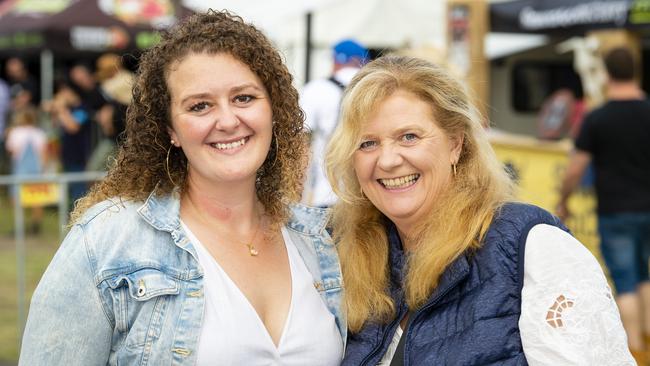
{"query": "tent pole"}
(47, 74)
(308, 47)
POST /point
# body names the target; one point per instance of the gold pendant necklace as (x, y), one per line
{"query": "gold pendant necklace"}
(252, 250)
(251, 247)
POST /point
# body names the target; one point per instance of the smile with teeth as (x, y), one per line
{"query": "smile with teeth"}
(401, 182)
(230, 145)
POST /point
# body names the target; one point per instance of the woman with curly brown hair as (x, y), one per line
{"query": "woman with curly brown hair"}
(191, 251)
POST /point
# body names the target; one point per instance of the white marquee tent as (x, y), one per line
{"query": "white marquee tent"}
(376, 23)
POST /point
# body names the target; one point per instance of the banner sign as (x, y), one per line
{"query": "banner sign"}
(39, 194)
(578, 16)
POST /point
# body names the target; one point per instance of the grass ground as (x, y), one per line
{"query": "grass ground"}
(39, 252)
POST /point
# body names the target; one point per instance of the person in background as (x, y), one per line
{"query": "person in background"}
(23, 93)
(85, 85)
(5, 104)
(440, 265)
(193, 251)
(26, 144)
(320, 100)
(115, 83)
(5, 108)
(615, 137)
(82, 80)
(22, 86)
(73, 119)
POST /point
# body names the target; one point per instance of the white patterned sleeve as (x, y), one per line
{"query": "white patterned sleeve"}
(568, 313)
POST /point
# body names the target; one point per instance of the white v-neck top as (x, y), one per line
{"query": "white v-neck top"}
(233, 333)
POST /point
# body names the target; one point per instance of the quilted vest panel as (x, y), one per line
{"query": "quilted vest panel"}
(472, 317)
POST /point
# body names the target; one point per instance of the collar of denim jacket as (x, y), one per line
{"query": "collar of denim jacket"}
(308, 220)
(162, 211)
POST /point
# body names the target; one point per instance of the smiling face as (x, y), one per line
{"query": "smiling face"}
(221, 117)
(404, 160)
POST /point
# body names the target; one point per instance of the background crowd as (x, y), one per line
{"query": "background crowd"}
(77, 130)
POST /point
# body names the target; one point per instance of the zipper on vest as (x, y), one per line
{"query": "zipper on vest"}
(419, 312)
(383, 339)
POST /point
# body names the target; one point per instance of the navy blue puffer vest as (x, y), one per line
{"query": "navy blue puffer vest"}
(472, 316)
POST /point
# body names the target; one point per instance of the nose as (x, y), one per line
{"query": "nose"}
(389, 157)
(226, 119)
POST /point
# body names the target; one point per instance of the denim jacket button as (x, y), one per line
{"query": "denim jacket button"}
(141, 288)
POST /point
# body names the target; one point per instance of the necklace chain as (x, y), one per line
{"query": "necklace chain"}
(252, 250)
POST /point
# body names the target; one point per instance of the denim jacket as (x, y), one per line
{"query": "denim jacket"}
(125, 287)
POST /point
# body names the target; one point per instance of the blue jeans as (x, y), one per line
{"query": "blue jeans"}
(625, 245)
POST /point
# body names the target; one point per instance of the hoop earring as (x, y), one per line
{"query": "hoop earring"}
(454, 168)
(277, 149)
(167, 164)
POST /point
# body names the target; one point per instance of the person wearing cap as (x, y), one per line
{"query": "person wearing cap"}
(320, 100)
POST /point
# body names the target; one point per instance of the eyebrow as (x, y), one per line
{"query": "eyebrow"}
(241, 87)
(195, 96)
(409, 128)
(399, 131)
(235, 89)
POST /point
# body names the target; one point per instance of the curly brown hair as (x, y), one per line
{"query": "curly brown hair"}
(141, 162)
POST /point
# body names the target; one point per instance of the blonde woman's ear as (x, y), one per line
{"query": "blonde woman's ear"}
(456, 148)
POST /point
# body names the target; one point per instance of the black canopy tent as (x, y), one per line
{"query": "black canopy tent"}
(74, 28)
(568, 16)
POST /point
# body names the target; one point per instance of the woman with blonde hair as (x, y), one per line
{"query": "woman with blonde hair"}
(192, 251)
(441, 267)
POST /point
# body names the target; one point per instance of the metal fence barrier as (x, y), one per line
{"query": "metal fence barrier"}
(63, 180)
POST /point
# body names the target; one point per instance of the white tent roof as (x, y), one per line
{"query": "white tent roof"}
(375, 23)
(503, 44)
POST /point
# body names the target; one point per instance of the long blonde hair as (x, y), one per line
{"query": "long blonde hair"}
(462, 214)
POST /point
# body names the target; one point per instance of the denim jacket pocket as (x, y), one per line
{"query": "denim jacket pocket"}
(145, 284)
(141, 299)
